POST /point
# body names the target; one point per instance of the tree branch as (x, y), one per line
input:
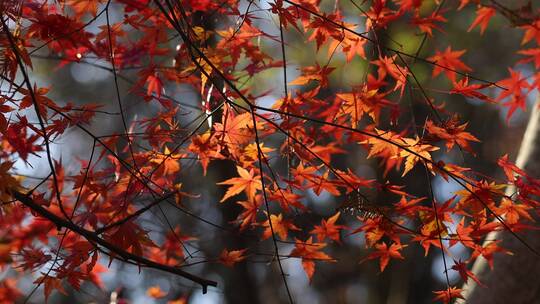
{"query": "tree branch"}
(94, 238)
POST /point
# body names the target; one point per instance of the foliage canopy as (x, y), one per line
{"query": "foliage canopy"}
(296, 95)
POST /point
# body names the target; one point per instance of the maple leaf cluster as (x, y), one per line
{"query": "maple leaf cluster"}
(80, 215)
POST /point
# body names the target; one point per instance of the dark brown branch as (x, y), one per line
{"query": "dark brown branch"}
(94, 238)
(135, 214)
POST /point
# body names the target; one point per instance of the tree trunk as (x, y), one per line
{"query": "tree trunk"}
(514, 279)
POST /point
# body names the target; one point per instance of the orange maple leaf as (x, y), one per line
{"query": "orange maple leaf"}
(384, 148)
(361, 102)
(427, 24)
(384, 253)
(280, 226)
(167, 161)
(534, 56)
(246, 182)
(421, 152)
(229, 258)
(452, 133)
(328, 229)
(488, 251)
(302, 174)
(155, 292)
(316, 73)
(248, 217)
(531, 32)
(513, 212)
(352, 45)
(478, 196)
(448, 294)
(235, 130)
(322, 29)
(388, 66)
(323, 183)
(310, 252)
(9, 293)
(82, 7)
(181, 300)
(50, 283)
(206, 147)
(251, 153)
(510, 169)
(7, 181)
(286, 198)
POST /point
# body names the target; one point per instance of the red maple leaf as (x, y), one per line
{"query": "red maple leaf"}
(465, 273)
(322, 29)
(514, 92)
(427, 24)
(532, 31)
(534, 56)
(447, 295)
(483, 15)
(462, 87)
(154, 85)
(328, 229)
(447, 62)
(385, 253)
